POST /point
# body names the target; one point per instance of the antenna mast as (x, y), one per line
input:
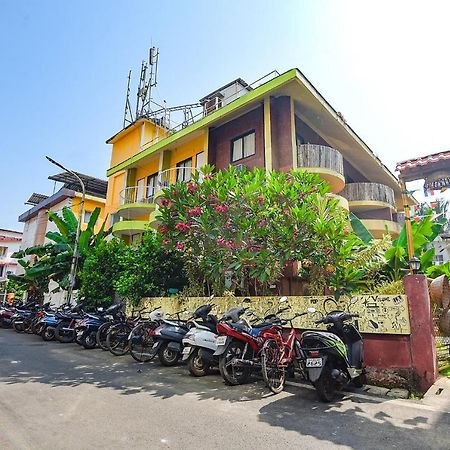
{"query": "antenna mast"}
(128, 115)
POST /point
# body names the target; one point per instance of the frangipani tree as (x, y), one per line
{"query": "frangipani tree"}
(238, 229)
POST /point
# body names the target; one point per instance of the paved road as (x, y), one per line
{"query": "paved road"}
(55, 396)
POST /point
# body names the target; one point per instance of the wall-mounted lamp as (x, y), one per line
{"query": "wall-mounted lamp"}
(414, 265)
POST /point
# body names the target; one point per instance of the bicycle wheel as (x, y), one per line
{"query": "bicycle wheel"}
(102, 334)
(117, 339)
(273, 371)
(141, 343)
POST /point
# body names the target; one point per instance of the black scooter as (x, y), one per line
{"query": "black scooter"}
(335, 358)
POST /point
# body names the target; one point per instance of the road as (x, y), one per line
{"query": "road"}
(55, 396)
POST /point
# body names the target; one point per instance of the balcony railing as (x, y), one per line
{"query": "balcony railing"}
(148, 194)
(320, 156)
(369, 192)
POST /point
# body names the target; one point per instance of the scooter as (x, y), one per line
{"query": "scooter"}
(169, 336)
(199, 346)
(334, 358)
(239, 343)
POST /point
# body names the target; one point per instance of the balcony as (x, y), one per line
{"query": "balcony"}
(136, 202)
(379, 227)
(129, 227)
(325, 161)
(368, 196)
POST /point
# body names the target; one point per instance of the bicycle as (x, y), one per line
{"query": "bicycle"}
(278, 354)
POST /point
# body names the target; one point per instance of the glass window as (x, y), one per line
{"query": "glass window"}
(3, 251)
(87, 216)
(184, 169)
(140, 191)
(243, 147)
(151, 187)
(200, 160)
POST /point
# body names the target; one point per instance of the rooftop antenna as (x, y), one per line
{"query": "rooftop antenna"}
(128, 115)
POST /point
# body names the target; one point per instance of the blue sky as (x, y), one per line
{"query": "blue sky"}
(64, 67)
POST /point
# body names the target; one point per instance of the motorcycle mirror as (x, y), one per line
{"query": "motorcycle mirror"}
(311, 310)
(283, 299)
(354, 300)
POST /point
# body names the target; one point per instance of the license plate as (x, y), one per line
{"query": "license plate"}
(313, 362)
(221, 340)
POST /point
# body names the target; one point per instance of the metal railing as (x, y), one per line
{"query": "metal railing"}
(148, 194)
(312, 155)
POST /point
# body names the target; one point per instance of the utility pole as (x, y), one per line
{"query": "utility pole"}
(73, 265)
(409, 236)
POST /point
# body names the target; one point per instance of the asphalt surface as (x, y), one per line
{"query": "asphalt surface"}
(60, 396)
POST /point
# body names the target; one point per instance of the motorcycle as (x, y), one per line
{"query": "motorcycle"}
(334, 358)
(239, 343)
(86, 328)
(169, 336)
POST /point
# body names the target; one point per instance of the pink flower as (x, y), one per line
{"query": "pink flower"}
(208, 176)
(179, 246)
(192, 187)
(195, 211)
(261, 199)
(166, 242)
(165, 202)
(163, 229)
(181, 226)
(212, 197)
(221, 208)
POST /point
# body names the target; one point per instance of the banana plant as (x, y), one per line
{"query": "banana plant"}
(52, 260)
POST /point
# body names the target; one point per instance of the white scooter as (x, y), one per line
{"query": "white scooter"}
(200, 345)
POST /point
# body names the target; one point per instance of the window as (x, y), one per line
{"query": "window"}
(140, 191)
(184, 169)
(2, 269)
(151, 187)
(87, 216)
(243, 147)
(3, 251)
(438, 259)
(200, 160)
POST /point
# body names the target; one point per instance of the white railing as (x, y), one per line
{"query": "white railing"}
(148, 194)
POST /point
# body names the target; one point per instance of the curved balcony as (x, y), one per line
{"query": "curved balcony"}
(325, 161)
(129, 227)
(136, 201)
(378, 227)
(367, 196)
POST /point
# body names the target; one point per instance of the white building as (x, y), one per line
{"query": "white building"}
(9, 243)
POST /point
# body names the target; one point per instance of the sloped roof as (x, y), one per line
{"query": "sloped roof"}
(94, 186)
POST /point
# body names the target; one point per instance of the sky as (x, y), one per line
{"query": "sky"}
(64, 66)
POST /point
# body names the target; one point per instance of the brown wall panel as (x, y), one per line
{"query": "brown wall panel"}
(281, 130)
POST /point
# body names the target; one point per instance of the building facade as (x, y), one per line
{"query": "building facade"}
(281, 124)
(36, 221)
(9, 243)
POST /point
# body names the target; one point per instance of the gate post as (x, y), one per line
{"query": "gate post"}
(422, 340)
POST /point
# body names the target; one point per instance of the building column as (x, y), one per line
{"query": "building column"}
(267, 136)
(293, 136)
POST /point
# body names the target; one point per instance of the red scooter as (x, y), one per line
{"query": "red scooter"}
(239, 343)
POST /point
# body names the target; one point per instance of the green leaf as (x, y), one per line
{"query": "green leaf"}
(360, 230)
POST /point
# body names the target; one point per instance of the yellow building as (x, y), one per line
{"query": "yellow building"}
(279, 124)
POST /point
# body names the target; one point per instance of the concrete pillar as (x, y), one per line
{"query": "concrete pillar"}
(422, 340)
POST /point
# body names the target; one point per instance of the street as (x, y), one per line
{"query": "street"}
(57, 396)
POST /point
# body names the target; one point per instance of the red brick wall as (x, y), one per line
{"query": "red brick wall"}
(281, 130)
(219, 152)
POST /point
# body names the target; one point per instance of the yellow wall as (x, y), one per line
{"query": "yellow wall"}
(126, 146)
(187, 150)
(115, 185)
(149, 169)
(90, 203)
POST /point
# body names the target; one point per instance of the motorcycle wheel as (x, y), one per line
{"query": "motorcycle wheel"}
(64, 336)
(102, 334)
(274, 373)
(325, 386)
(5, 323)
(89, 340)
(18, 327)
(79, 337)
(34, 325)
(39, 328)
(141, 344)
(168, 357)
(197, 365)
(117, 339)
(48, 334)
(231, 374)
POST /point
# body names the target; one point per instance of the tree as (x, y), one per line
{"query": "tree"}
(148, 270)
(51, 261)
(238, 229)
